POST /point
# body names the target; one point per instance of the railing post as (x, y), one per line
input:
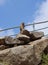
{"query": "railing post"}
(33, 26)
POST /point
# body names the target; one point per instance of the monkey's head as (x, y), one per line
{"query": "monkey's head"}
(22, 26)
(23, 23)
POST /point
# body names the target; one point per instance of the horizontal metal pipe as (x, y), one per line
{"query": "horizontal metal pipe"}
(41, 28)
(25, 26)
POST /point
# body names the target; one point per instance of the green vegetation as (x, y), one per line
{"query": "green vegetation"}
(4, 63)
(44, 59)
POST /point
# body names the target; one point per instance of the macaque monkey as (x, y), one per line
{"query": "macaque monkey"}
(22, 27)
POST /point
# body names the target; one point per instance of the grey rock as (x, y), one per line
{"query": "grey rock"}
(1, 64)
(36, 35)
(24, 38)
(46, 50)
(2, 47)
(24, 55)
(13, 41)
(2, 41)
(25, 32)
(18, 42)
(9, 40)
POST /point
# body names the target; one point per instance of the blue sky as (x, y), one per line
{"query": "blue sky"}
(13, 12)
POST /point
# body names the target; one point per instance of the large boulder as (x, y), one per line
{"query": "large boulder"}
(36, 35)
(13, 41)
(1, 64)
(2, 47)
(24, 55)
(9, 40)
(2, 41)
(46, 50)
(25, 32)
(18, 42)
(24, 38)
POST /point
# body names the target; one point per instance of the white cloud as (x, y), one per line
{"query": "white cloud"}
(42, 15)
(2, 34)
(43, 12)
(6, 33)
(10, 32)
(29, 28)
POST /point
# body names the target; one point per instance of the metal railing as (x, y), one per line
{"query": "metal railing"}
(33, 24)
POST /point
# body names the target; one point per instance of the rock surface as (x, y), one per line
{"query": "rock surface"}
(24, 38)
(2, 41)
(9, 40)
(24, 55)
(2, 47)
(25, 32)
(13, 41)
(46, 50)
(36, 35)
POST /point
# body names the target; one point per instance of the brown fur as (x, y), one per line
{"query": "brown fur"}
(22, 27)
